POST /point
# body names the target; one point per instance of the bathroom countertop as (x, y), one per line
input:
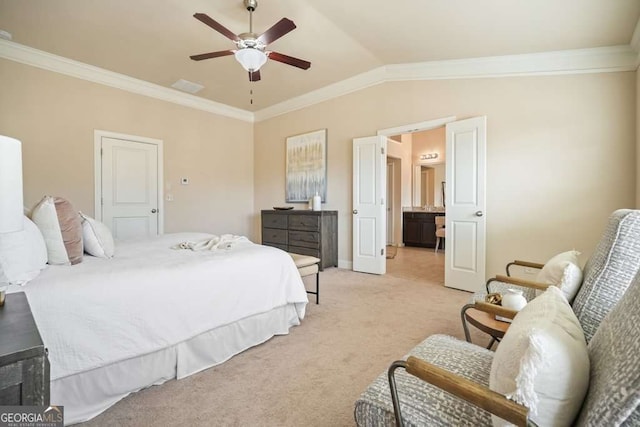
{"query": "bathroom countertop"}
(419, 210)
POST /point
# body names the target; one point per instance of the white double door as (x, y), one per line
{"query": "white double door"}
(464, 199)
(128, 181)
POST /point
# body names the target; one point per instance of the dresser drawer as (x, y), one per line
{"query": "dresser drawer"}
(274, 235)
(305, 251)
(277, 245)
(274, 221)
(304, 222)
(308, 239)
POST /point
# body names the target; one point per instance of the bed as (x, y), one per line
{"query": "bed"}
(152, 313)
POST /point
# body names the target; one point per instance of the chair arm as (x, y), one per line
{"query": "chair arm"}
(520, 282)
(520, 263)
(495, 309)
(472, 392)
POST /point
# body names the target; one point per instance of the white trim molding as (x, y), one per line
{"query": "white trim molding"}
(577, 61)
(635, 43)
(47, 61)
(417, 127)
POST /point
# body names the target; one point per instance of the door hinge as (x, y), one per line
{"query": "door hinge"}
(102, 201)
(382, 201)
(382, 150)
(101, 151)
(382, 251)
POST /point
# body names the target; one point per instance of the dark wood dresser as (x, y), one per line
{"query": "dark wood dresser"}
(303, 232)
(24, 366)
(419, 228)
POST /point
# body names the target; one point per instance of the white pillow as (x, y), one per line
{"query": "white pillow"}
(96, 237)
(542, 361)
(563, 272)
(60, 226)
(22, 254)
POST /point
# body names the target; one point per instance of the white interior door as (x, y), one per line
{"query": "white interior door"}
(130, 187)
(465, 204)
(369, 208)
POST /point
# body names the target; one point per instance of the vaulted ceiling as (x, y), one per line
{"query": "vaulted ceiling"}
(151, 40)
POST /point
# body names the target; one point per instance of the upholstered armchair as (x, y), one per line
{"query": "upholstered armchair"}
(606, 275)
(448, 380)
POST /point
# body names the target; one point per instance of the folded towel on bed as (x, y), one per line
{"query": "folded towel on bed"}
(214, 243)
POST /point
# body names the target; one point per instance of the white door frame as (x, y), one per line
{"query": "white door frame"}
(410, 128)
(417, 127)
(97, 168)
(391, 167)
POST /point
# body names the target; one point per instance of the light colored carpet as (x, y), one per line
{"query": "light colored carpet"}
(391, 251)
(312, 376)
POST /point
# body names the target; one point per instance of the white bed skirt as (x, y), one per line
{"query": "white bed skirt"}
(87, 394)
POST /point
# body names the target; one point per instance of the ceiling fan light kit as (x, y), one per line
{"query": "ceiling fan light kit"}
(251, 59)
(250, 52)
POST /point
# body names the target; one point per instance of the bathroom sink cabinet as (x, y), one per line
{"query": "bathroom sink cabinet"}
(419, 229)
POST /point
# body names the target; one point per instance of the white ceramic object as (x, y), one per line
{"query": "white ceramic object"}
(317, 202)
(514, 300)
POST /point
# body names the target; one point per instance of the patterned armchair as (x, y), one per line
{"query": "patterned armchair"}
(613, 397)
(607, 273)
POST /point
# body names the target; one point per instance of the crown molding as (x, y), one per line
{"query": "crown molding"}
(635, 43)
(596, 60)
(47, 61)
(334, 90)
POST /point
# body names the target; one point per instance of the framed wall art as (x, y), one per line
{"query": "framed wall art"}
(306, 166)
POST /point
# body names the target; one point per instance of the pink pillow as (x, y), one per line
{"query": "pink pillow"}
(61, 228)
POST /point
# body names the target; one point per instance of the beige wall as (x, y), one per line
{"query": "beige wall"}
(429, 141)
(55, 116)
(560, 153)
(638, 139)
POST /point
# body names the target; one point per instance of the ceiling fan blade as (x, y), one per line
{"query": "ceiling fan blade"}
(205, 19)
(254, 76)
(290, 60)
(278, 30)
(211, 55)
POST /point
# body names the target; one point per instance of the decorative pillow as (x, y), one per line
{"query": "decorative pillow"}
(97, 238)
(61, 228)
(542, 361)
(22, 254)
(563, 272)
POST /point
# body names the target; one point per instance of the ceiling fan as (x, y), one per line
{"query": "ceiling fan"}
(250, 52)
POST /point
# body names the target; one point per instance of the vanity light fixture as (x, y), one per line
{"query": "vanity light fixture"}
(429, 156)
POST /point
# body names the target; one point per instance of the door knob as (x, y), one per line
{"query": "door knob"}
(154, 210)
(479, 213)
(355, 211)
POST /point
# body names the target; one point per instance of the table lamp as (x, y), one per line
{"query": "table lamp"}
(11, 203)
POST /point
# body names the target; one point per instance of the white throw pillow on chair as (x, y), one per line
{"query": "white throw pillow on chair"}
(542, 361)
(563, 272)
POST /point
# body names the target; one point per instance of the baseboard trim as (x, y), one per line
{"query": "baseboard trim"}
(347, 265)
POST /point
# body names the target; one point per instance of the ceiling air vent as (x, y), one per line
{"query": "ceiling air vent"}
(187, 86)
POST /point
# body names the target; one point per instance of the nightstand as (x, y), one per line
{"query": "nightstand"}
(24, 366)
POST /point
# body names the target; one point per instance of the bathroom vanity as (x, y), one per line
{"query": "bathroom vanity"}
(419, 228)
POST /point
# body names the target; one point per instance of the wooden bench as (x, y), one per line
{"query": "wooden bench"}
(308, 265)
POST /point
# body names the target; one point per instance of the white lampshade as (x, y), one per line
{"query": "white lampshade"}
(251, 59)
(11, 205)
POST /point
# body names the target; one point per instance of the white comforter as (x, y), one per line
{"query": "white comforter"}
(149, 297)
